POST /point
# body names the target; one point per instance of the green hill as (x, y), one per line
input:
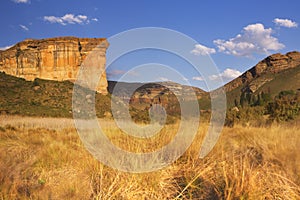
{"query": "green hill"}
(268, 83)
(41, 97)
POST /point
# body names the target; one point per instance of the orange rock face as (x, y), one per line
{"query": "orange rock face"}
(53, 59)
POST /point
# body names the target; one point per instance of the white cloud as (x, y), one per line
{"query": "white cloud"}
(227, 75)
(68, 19)
(255, 38)
(95, 19)
(163, 79)
(198, 78)
(185, 79)
(285, 23)
(202, 50)
(7, 47)
(21, 1)
(53, 19)
(25, 28)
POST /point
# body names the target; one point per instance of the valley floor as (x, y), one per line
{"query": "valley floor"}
(43, 158)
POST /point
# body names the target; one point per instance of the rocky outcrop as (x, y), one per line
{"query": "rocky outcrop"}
(54, 59)
(151, 92)
(272, 64)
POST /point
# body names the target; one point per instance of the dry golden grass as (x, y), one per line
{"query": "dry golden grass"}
(45, 159)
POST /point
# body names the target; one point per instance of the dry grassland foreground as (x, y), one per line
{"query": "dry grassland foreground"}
(43, 158)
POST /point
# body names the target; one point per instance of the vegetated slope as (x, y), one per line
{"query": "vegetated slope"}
(271, 84)
(272, 75)
(158, 92)
(151, 90)
(142, 96)
(286, 80)
(268, 92)
(54, 98)
(41, 97)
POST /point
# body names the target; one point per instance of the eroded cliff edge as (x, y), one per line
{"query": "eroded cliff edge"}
(273, 64)
(53, 59)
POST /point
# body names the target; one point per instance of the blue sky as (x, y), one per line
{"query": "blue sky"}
(236, 34)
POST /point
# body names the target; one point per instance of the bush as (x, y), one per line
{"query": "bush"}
(285, 106)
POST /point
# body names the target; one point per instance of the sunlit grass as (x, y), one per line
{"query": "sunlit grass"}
(45, 159)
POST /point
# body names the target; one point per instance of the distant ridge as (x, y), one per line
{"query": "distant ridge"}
(273, 74)
(273, 64)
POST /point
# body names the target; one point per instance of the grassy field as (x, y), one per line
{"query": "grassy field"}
(43, 158)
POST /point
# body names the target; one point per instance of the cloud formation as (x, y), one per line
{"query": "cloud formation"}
(285, 23)
(4, 48)
(68, 19)
(164, 79)
(255, 38)
(202, 50)
(227, 75)
(25, 28)
(21, 1)
(198, 78)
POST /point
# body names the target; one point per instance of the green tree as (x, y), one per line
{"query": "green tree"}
(286, 106)
(243, 100)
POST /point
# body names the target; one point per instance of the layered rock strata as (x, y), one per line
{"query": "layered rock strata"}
(272, 64)
(53, 59)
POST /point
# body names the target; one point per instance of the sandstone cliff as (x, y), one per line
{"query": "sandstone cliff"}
(53, 59)
(273, 64)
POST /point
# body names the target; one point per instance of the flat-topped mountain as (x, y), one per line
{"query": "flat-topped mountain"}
(52, 59)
